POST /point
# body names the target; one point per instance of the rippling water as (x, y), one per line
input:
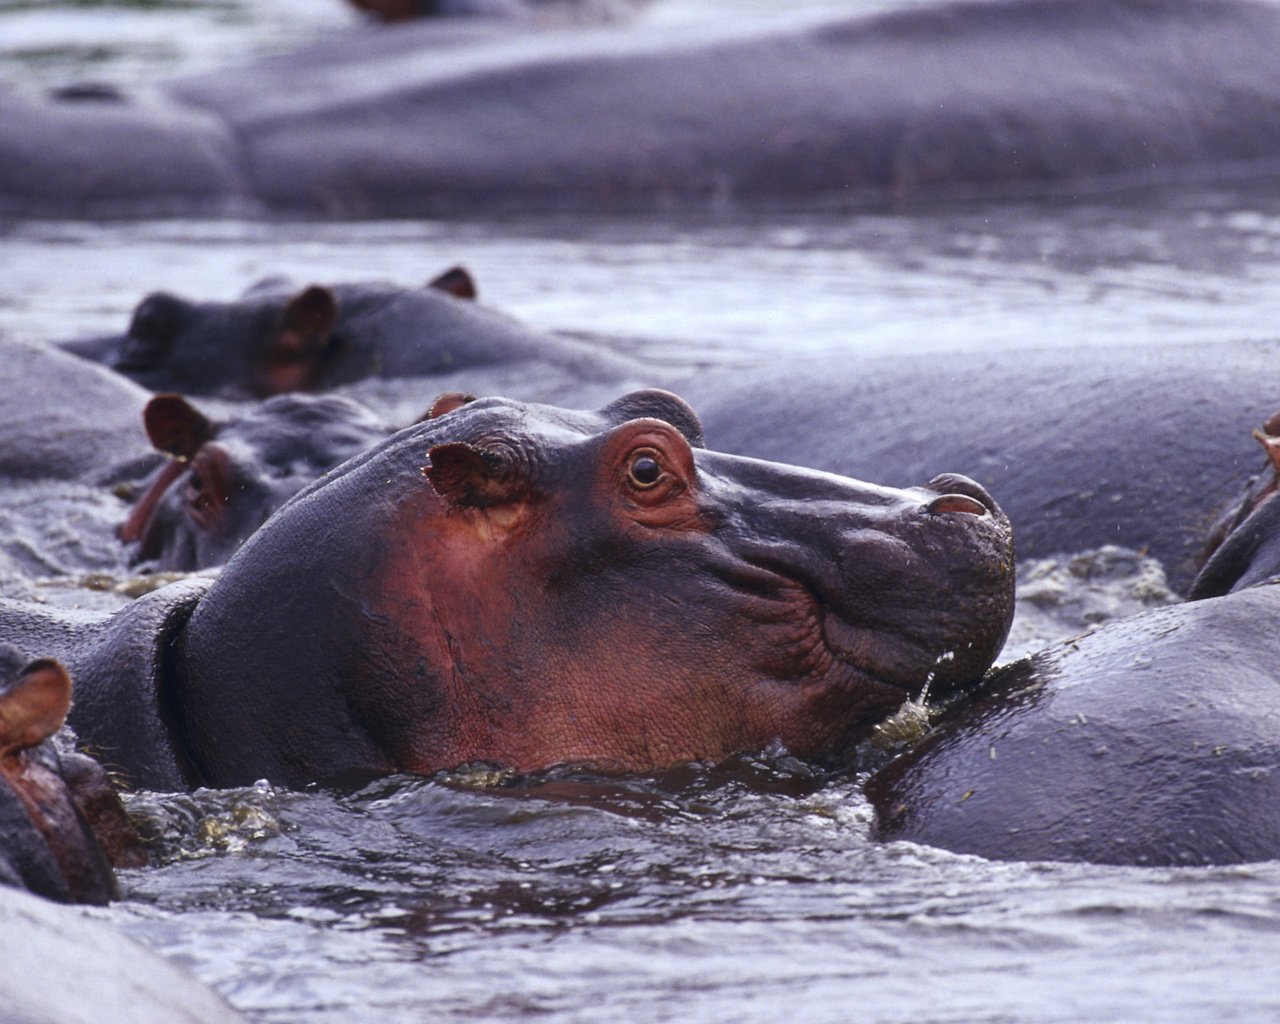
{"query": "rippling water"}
(747, 892)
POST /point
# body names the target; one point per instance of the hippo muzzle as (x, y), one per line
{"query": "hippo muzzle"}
(905, 589)
(529, 586)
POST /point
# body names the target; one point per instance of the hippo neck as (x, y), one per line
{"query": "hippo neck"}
(128, 706)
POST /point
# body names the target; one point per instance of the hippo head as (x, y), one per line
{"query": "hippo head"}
(61, 824)
(225, 478)
(1244, 544)
(528, 586)
(270, 341)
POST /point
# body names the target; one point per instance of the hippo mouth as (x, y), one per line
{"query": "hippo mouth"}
(896, 614)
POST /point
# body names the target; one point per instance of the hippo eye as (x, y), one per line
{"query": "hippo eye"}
(645, 470)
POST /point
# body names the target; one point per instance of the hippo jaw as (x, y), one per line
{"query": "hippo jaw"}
(529, 586)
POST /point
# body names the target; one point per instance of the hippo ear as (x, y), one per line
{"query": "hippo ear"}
(34, 706)
(176, 426)
(301, 343)
(470, 477)
(1270, 442)
(308, 320)
(457, 281)
(446, 404)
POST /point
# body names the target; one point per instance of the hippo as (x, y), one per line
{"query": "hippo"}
(1149, 741)
(63, 967)
(83, 427)
(523, 585)
(69, 449)
(63, 825)
(277, 338)
(1023, 97)
(224, 478)
(1244, 545)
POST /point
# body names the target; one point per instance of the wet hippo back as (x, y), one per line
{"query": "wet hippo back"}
(1150, 741)
(1138, 447)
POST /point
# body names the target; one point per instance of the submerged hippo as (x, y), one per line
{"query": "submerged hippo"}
(527, 586)
(1149, 741)
(224, 479)
(277, 338)
(61, 823)
(1021, 96)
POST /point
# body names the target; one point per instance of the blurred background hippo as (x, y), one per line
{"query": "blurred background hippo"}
(529, 586)
(277, 338)
(1022, 96)
(1129, 446)
(1151, 740)
(71, 448)
(225, 477)
(61, 824)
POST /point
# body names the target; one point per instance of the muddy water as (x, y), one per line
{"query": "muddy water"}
(748, 892)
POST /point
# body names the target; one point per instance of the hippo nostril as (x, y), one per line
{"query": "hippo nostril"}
(956, 503)
(949, 485)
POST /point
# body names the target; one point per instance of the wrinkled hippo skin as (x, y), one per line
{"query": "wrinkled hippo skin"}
(1024, 96)
(278, 338)
(61, 967)
(61, 823)
(1150, 741)
(1244, 545)
(527, 586)
(224, 478)
(1136, 447)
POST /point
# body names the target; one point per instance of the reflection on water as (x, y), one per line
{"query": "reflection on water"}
(1142, 270)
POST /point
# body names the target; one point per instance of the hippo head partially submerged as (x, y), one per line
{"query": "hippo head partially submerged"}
(528, 586)
(224, 479)
(1244, 545)
(279, 338)
(61, 823)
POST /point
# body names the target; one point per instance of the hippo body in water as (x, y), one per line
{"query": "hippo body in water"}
(71, 439)
(278, 338)
(528, 586)
(1128, 446)
(61, 823)
(1024, 96)
(1149, 741)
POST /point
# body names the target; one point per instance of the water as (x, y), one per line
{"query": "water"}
(749, 892)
